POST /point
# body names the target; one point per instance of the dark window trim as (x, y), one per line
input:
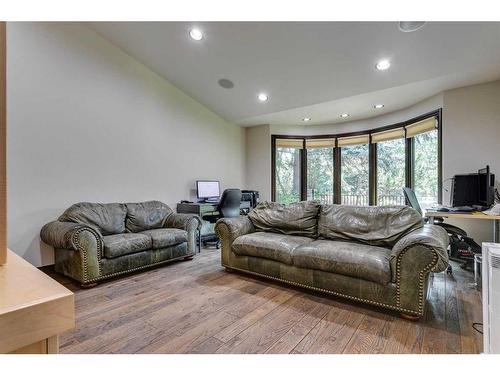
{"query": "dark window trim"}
(337, 156)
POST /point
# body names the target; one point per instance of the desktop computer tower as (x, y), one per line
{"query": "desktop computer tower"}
(251, 196)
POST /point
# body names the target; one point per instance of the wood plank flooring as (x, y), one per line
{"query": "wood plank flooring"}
(197, 307)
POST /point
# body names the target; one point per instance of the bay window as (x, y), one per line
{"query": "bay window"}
(365, 168)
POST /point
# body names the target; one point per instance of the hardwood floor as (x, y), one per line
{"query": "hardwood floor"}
(197, 307)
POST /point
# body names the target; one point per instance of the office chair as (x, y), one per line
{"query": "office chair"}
(413, 201)
(228, 206)
(462, 247)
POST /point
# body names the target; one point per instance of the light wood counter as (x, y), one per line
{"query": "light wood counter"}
(34, 308)
(495, 219)
(462, 215)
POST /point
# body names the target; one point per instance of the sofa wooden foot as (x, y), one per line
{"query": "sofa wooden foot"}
(190, 257)
(87, 285)
(413, 318)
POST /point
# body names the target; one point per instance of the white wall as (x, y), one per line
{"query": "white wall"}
(86, 122)
(471, 138)
(418, 109)
(258, 160)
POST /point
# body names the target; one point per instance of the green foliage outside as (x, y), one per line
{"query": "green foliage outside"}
(426, 168)
(320, 174)
(287, 175)
(354, 175)
(390, 172)
(355, 172)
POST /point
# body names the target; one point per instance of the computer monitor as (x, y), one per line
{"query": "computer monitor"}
(486, 187)
(464, 190)
(207, 189)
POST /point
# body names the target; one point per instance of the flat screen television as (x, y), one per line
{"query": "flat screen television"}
(207, 189)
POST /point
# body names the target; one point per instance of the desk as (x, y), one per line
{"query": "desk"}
(469, 216)
(34, 309)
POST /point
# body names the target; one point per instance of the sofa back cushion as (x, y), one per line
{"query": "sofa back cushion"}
(299, 219)
(373, 225)
(146, 215)
(107, 218)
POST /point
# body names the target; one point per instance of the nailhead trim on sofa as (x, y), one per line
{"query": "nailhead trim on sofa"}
(224, 237)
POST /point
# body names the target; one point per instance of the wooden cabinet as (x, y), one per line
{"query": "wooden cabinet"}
(3, 146)
(34, 309)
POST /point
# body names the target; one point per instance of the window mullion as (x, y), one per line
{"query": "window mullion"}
(372, 173)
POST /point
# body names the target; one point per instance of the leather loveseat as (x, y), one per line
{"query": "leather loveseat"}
(380, 255)
(95, 241)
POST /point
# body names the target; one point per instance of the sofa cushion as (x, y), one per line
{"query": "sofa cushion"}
(299, 219)
(373, 225)
(273, 246)
(146, 215)
(126, 243)
(107, 218)
(165, 237)
(346, 258)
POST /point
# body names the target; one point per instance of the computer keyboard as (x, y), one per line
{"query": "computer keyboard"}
(462, 209)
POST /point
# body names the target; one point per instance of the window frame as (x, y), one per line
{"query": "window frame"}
(372, 158)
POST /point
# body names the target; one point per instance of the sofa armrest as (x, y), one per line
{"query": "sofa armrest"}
(228, 229)
(64, 235)
(83, 242)
(183, 221)
(188, 222)
(432, 240)
(413, 257)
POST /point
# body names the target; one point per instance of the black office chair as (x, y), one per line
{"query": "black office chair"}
(462, 247)
(413, 201)
(228, 206)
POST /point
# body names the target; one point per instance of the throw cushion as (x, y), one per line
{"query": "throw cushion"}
(373, 225)
(298, 219)
(108, 218)
(146, 215)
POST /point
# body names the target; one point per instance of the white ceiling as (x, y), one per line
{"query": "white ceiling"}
(317, 70)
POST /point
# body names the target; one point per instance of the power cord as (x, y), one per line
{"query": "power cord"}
(475, 327)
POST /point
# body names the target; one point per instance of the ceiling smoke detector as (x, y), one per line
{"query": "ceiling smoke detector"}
(225, 83)
(410, 26)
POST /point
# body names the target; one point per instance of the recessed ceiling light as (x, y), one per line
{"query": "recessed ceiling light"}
(262, 97)
(409, 26)
(378, 106)
(306, 119)
(196, 34)
(344, 115)
(383, 65)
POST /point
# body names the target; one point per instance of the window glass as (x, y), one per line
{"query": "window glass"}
(425, 167)
(287, 175)
(320, 174)
(355, 177)
(391, 172)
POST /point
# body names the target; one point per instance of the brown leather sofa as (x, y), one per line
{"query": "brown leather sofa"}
(380, 255)
(95, 241)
